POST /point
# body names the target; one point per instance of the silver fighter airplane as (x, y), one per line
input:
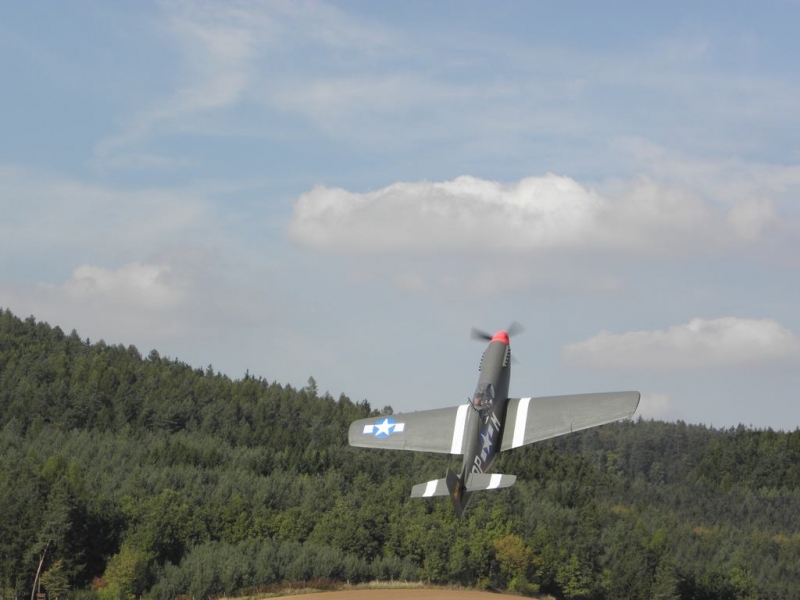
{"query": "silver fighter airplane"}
(489, 423)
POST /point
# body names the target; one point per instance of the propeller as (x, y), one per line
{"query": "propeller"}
(477, 334)
(514, 329)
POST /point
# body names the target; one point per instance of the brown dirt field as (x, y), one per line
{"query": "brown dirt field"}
(381, 590)
(404, 594)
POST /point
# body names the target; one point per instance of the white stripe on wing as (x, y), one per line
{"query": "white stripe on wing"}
(520, 422)
(458, 429)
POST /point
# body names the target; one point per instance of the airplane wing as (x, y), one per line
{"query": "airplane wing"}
(531, 420)
(439, 430)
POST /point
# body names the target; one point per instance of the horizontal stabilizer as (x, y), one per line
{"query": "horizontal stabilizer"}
(429, 489)
(495, 481)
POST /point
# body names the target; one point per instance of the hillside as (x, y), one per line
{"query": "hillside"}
(144, 476)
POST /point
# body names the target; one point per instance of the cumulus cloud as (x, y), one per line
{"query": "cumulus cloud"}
(135, 302)
(463, 213)
(699, 344)
(149, 286)
(114, 263)
(543, 213)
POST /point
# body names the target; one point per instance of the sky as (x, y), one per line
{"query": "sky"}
(344, 189)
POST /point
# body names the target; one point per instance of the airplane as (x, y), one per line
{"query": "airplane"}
(489, 423)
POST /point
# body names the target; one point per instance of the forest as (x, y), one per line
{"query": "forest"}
(141, 476)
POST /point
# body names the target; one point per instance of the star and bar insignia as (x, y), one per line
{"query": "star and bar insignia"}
(384, 428)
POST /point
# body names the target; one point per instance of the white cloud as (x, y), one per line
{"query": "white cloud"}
(377, 82)
(727, 180)
(325, 24)
(148, 286)
(472, 215)
(136, 302)
(217, 50)
(655, 406)
(699, 344)
(225, 50)
(48, 217)
(338, 103)
(453, 215)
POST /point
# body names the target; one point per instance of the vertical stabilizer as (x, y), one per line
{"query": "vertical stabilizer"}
(458, 492)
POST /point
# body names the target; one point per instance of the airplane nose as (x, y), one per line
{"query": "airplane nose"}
(500, 336)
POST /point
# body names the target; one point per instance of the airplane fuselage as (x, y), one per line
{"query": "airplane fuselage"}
(484, 426)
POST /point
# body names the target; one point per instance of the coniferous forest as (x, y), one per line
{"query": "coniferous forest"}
(140, 476)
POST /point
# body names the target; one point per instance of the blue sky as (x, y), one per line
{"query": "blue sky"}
(343, 189)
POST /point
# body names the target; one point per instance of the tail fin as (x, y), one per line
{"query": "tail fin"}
(458, 492)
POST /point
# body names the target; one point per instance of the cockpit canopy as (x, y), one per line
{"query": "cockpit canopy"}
(484, 397)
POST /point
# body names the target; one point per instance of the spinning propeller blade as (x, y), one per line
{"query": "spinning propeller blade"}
(477, 334)
(514, 329)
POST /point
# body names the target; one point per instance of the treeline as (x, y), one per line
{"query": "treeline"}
(141, 476)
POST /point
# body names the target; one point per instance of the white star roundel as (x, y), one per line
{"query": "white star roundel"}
(384, 428)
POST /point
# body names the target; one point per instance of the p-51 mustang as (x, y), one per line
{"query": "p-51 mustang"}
(489, 423)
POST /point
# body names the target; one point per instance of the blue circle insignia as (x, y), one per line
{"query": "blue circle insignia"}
(384, 428)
